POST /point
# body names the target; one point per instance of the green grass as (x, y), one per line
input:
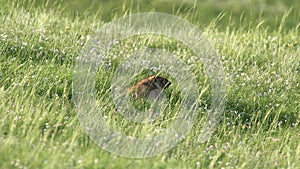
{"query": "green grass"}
(261, 123)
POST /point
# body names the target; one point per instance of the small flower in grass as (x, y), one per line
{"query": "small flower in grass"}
(17, 118)
(96, 161)
(17, 163)
(24, 44)
(13, 48)
(79, 161)
(154, 68)
(55, 51)
(4, 36)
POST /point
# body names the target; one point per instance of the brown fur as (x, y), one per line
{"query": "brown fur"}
(144, 87)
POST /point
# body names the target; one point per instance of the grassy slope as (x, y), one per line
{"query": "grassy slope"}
(39, 127)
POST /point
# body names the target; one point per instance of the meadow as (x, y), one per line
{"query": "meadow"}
(258, 44)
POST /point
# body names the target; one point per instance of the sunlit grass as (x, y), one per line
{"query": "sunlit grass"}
(39, 127)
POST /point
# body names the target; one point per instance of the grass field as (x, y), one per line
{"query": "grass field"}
(258, 43)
